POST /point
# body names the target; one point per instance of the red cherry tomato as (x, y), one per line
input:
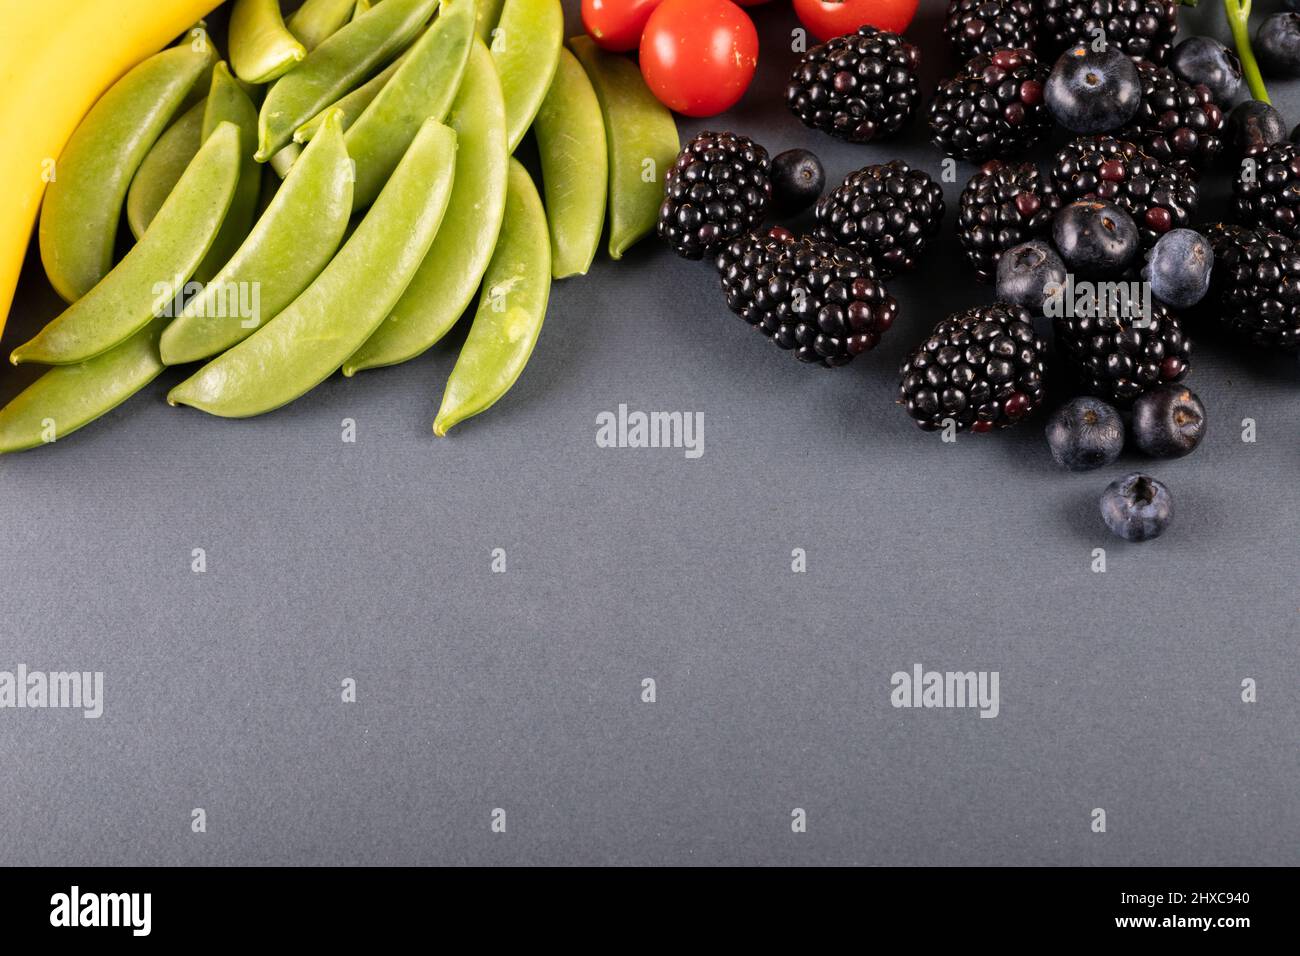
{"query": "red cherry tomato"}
(833, 18)
(617, 25)
(698, 56)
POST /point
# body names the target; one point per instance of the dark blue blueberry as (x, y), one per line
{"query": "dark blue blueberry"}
(1277, 44)
(797, 181)
(1093, 92)
(1026, 272)
(1085, 434)
(1254, 123)
(1206, 61)
(1096, 238)
(1178, 268)
(1168, 422)
(1137, 507)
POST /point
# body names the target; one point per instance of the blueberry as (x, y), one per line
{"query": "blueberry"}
(1178, 268)
(1168, 422)
(1026, 273)
(1085, 434)
(1095, 238)
(797, 181)
(1137, 507)
(1255, 123)
(1277, 44)
(1093, 92)
(1206, 61)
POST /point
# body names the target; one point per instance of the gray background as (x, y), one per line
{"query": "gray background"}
(480, 690)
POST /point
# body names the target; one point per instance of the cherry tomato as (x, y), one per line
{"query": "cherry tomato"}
(617, 25)
(698, 56)
(833, 18)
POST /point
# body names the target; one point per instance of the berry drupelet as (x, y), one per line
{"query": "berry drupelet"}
(983, 368)
(717, 189)
(1255, 285)
(1003, 205)
(992, 108)
(976, 27)
(1177, 123)
(1270, 194)
(1143, 29)
(1117, 358)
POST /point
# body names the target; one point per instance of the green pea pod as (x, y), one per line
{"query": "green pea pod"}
(575, 167)
(317, 19)
(642, 139)
(352, 105)
(261, 46)
(338, 65)
(144, 282)
(83, 203)
(227, 102)
(282, 162)
(526, 45)
(449, 276)
(489, 14)
(162, 168)
(308, 341)
(69, 397)
(362, 6)
(292, 242)
(511, 308)
(422, 88)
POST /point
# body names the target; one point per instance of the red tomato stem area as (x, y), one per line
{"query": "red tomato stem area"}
(699, 56)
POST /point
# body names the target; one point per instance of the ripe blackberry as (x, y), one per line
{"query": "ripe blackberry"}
(1003, 205)
(885, 213)
(1158, 197)
(976, 27)
(983, 368)
(717, 190)
(820, 300)
(992, 108)
(1116, 358)
(858, 87)
(1255, 285)
(1270, 196)
(1177, 123)
(1144, 29)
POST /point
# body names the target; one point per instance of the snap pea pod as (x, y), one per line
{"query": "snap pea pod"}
(308, 341)
(510, 310)
(642, 139)
(83, 203)
(526, 46)
(261, 46)
(575, 167)
(154, 270)
(352, 105)
(162, 168)
(69, 397)
(362, 6)
(489, 13)
(317, 19)
(338, 65)
(422, 88)
(282, 162)
(227, 102)
(449, 276)
(288, 247)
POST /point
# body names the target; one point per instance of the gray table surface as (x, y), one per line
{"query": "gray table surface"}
(521, 691)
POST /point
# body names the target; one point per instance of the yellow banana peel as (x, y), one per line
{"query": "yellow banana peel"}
(56, 58)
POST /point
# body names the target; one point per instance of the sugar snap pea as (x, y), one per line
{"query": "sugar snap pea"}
(308, 341)
(162, 168)
(449, 276)
(352, 105)
(154, 270)
(642, 139)
(362, 6)
(526, 45)
(489, 13)
(575, 167)
(316, 19)
(261, 46)
(227, 102)
(422, 88)
(288, 247)
(83, 203)
(338, 65)
(511, 308)
(69, 397)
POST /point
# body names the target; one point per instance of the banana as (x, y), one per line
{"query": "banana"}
(56, 58)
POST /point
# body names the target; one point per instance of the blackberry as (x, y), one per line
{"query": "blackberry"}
(822, 301)
(1144, 29)
(858, 87)
(1158, 197)
(1255, 285)
(1117, 359)
(1270, 197)
(976, 27)
(885, 213)
(1002, 206)
(992, 108)
(717, 190)
(983, 368)
(1177, 123)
